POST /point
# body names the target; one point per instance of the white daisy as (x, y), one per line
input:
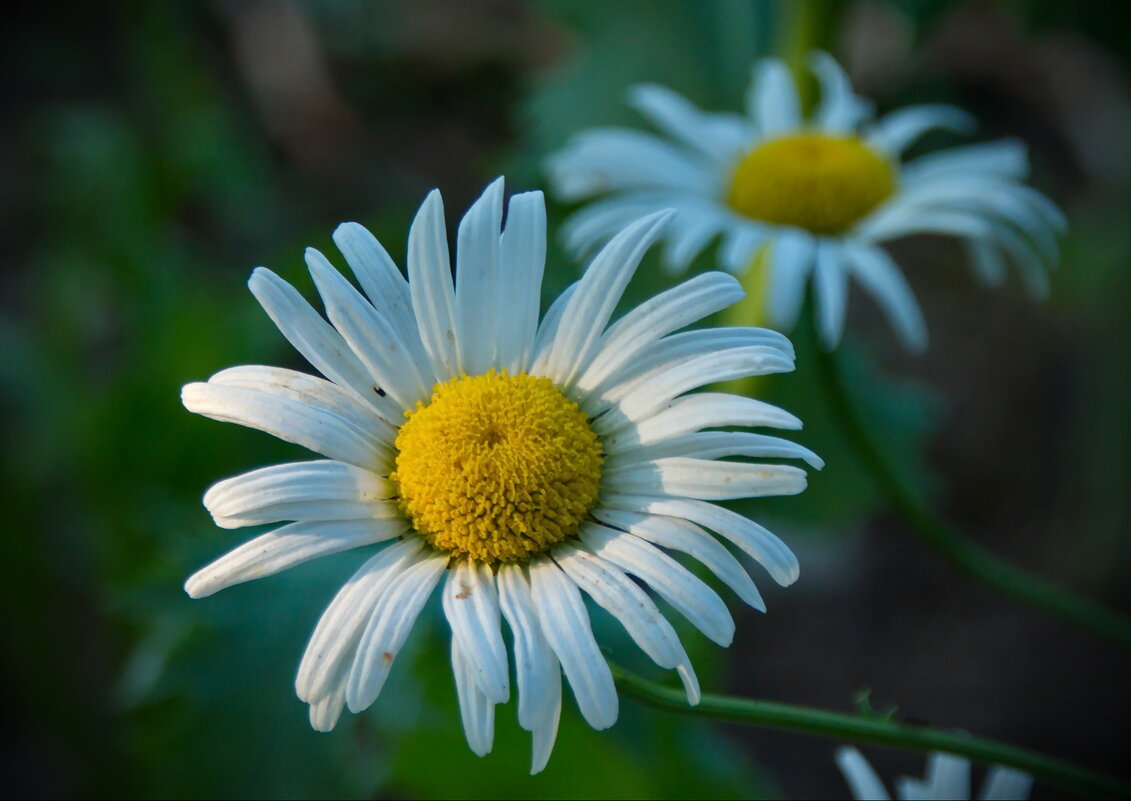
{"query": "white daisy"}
(948, 777)
(529, 462)
(817, 196)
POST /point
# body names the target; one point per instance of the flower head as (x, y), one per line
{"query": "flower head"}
(948, 777)
(519, 463)
(815, 196)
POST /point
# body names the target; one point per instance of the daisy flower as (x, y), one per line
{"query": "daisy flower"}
(948, 777)
(518, 464)
(813, 196)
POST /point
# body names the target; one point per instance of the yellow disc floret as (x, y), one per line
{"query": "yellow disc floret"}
(497, 467)
(821, 183)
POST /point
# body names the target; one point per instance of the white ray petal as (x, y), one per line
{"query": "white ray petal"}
(476, 710)
(328, 657)
(840, 110)
(1007, 158)
(286, 547)
(1005, 784)
(706, 479)
(862, 780)
(772, 101)
(668, 578)
(948, 776)
(876, 271)
(565, 624)
(741, 246)
(388, 628)
(326, 710)
(617, 594)
(478, 280)
(715, 445)
(717, 136)
(548, 331)
(899, 130)
(522, 260)
(430, 284)
(471, 604)
(681, 535)
(791, 263)
(830, 282)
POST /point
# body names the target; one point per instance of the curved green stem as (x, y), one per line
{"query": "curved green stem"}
(877, 730)
(962, 555)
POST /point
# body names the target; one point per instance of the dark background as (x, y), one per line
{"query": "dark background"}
(151, 154)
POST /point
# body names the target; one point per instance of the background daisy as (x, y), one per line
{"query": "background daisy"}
(815, 193)
(517, 463)
(948, 777)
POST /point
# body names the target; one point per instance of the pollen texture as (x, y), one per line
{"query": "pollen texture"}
(821, 183)
(497, 467)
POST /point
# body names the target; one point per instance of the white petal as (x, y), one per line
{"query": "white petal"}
(1005, 784)
(862, 780)
(899, 130)
(328, 657)
(839, 111)
(430, 284)
(669, 311)
(695, 412)
(667, 577)
(948, 776)
(478, 280)
(317, 490)
(681, 535)
(1028, 261)
(741, 246)
(1007, 158)
(522, 259)
(565, 624)
(325, 711)
(476, 710)
(986, 258)
(471, 605)
(772, 101)
(599, 220)
(604, 160)
(830, 281)
(716, 445)
(286, 547)
(312, 336)
(792, 260)
(290, 420)
(878, 274)
(370, 336)
(679, 476)
(382, 281)
(617, 594)
(388, 628)
(589, 309)
(902, 218)
(695, 225)
(548, 331)
(755, 540)
(717, 136)
(546, 731)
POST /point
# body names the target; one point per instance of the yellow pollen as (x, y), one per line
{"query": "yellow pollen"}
(497, 467)
(821, 183)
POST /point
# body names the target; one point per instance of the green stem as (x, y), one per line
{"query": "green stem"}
(964, 556)
(876, 730)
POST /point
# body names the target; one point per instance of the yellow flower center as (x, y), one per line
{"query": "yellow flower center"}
(821, 183)
(497, 467)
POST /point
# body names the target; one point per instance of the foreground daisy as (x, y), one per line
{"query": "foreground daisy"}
(517, 463)
(948, 777)
(816, 196)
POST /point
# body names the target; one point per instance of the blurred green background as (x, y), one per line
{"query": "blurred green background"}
(152, 154)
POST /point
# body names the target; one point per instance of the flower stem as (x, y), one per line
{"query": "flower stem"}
(964, 556)
(876, 730)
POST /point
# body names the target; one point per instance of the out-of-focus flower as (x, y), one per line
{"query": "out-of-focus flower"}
(527, 461)
(948, 777)
(815, 195)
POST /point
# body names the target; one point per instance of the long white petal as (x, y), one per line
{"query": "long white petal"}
(830, 280)
(669, 311)
(471, 604)
(589, 309)
(522, 260)
(878, 274)
(772, 101)
(478, 280)
(987, 261)
(313, 337)
(948, 776)
(681, 535)
(328, 657)
(617, 594)
(717, 136)
(286, 547)
(792, 261)
(476, 710)
(706, 479)
(668, 578)
(1006, 158)
(715, 445)
(840, 110)
(1005, 784)
(325, 711)
(388, 628)
(430, 284)
(862, 780)
(373, 338)
(565, 624)
(755, 540)
(548, 331)
(291, 420)
(899, 130)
